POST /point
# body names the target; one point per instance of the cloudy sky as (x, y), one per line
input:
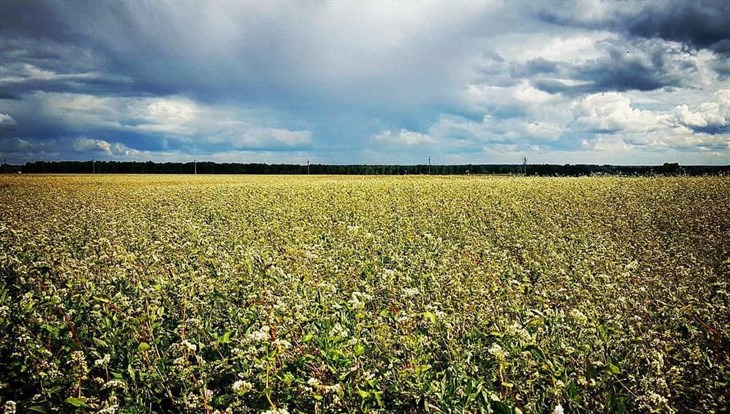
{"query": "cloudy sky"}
(620, 82)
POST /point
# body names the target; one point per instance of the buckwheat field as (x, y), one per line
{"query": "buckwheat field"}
(238, 294)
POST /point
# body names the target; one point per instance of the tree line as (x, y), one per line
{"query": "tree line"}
(133, 167)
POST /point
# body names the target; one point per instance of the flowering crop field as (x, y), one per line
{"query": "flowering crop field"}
(212, 294)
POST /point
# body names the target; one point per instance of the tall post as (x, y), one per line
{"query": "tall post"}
(195, 167)
(524, 165)
(429, 165)
(307, 167)
(93, 166)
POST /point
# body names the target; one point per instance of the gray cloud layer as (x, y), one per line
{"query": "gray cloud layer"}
(366, 82)
(699, 24)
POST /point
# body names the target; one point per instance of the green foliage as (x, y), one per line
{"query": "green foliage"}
(335, 294)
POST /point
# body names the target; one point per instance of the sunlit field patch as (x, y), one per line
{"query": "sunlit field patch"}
(241, 294)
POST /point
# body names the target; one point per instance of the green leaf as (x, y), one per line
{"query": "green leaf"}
(613, 368)
(359, 349)
(143, 346)
(422, 368)
(99, 342)
(501, 408)
(70, 344)
(572, 391)
(50, 329)
(76, 402)
(363, 394)
(288, 379)
(429, 317)
(536, 351)
(225, 338)
(378, 397)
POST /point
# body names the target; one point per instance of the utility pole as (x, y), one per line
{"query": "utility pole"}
(307, 167)
(524, 165)
(429, 165)
(195, 166)
(93, 166)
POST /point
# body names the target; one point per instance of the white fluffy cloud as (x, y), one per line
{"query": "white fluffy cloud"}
(7, 121)
(715, 113)
(404, 137)
(612, 111)
(104, 148)
(92, 145)
(174, 118)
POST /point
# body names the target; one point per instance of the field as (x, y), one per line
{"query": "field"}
(205, 294)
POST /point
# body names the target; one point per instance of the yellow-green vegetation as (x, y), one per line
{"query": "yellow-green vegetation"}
(138, 294)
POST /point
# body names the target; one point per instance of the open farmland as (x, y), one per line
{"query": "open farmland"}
(354, 294)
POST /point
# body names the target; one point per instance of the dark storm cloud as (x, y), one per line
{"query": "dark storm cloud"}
(35, 19)
(712, 130)
(495, 70)
(102, 48)
(701, 24)
(30, 64)
(639, 65)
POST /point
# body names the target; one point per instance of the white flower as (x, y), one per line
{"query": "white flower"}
(282, 344)
(276, 410)
(498, 353)
(115, 384)
(261, 335)
(9, 407)
(359, 299)
(102, 362)
(578, 316)
(558, 409)
(411, 292)
(112, 409)
(516, 329)
(191, 347)
(241, 387)
(339, 330)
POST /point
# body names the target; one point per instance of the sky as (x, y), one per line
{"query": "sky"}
(376, 82)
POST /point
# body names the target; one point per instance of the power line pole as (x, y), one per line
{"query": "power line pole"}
(524, 165)
(429, 165)
(195, 166)
(307, 167)
(93, 166)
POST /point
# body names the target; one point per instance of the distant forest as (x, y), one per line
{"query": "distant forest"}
(125, 167)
